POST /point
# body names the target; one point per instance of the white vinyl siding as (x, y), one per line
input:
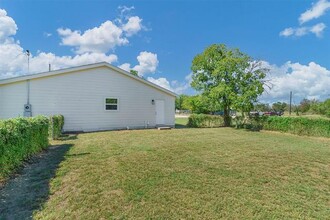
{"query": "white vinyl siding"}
(79, 96)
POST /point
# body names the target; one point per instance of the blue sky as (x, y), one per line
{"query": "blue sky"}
(160, 38)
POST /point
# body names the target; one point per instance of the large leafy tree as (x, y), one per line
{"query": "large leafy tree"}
(200, 104)
(305, 105)
(324, 108)
(262, 107)
(229, 78)
(182, 102)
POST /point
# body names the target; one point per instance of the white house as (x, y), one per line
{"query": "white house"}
(90, 97)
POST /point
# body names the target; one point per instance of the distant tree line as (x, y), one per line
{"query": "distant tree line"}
(202, 104)
(315, 107)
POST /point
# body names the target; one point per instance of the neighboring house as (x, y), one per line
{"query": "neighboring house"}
(90, 97)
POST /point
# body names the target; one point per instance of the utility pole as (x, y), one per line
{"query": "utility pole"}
(290, 102)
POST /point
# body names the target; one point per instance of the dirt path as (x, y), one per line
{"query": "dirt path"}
(27, 191)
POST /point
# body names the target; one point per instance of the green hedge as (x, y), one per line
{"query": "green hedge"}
(56, 126)
(298, 125)
(19, 139)
(205, 121)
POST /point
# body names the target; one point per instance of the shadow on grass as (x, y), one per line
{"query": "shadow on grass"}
(180, 126)
(28, 190)
(67, 137)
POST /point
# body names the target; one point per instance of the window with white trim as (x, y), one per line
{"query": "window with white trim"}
(111, 104)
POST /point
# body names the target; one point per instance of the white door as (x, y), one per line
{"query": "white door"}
(160, 112)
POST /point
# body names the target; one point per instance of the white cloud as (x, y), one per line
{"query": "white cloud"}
(124, 9)
(40, 62)
(98, 39)
(90, 46)
(287, 32)
(133, 25)
(316, 11)
(105, 37)
(13, 61)
(8, 26)
(318, 29)
(301, 31)
(174, 86)
(162, 82)
(148, 63)
(125, 66)
(46, 34)
(305, 81)
(182, 87)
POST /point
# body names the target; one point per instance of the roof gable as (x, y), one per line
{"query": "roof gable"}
(79, 68)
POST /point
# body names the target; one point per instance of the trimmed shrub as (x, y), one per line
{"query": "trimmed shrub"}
(298, 125)
(205, 121)
(250, 122)
(20, 138)
(56, 126)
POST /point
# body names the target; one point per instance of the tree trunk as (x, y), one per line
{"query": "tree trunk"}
(226, 116)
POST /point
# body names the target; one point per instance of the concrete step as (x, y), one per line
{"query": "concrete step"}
(164, 128)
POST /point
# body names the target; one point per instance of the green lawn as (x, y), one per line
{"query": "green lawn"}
(181, 122)
(191, 174)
